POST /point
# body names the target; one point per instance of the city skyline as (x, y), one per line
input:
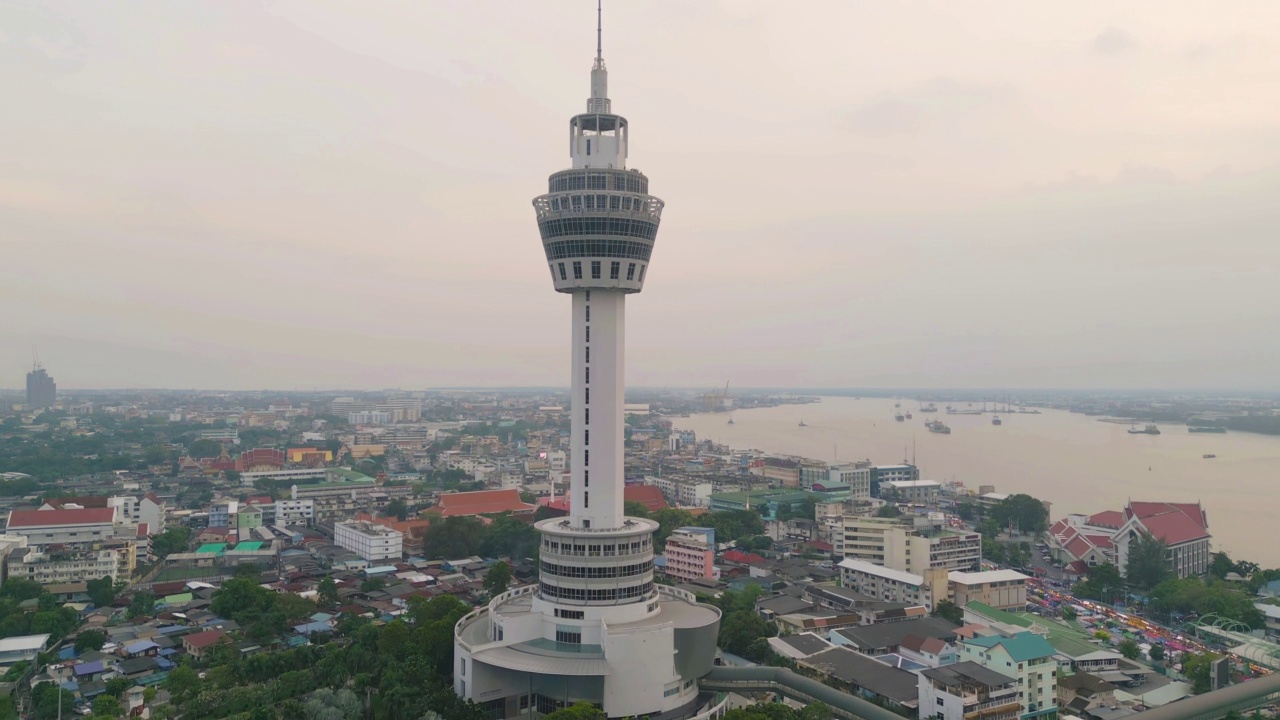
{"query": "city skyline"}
(298, 198)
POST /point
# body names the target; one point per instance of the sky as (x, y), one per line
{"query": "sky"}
(304, 194)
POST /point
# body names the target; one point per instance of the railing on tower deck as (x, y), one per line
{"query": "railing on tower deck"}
(650, 207)
(630, 526)
(480, 612)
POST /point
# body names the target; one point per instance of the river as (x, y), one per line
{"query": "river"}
(1075, 462)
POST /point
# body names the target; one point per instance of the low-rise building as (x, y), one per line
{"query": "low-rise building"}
(967, 691)
(891, 585)
(1001, 589)
(1026, 657)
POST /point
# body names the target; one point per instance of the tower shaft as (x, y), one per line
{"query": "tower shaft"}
(599, 334)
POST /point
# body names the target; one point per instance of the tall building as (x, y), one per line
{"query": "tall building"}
(42, 391)
(595, 628)
(690, 553)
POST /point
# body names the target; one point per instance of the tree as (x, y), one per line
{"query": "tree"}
(21, 589)
(1148, 565)
(1022, 512)
(175, 539)
(581, 710)
(372, 585)
(888, 510)
(90, 640)
(509, 536)
(968, 510)
(106, 706)
(1196, 667)
(102, 591)
(949, 611)
(816, 711)
(1128, 647)
(117, 685)
(398, 508)
(453, 537)
(1220, 565)
(1103, 583)
(497, 578)
(327, 592)
(1156, 653)
(45, 699)
(1068, 613)
(632, 508)
(142, 604)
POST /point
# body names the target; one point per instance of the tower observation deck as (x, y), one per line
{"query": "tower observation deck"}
(595, 627)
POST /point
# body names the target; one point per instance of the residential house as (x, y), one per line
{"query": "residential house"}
(1028, 658)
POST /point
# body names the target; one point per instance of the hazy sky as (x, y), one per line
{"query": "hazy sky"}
(304, 194)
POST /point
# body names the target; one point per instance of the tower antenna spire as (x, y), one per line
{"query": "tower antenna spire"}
(599, 29)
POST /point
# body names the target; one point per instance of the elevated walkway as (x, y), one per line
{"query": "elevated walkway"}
(761, 678)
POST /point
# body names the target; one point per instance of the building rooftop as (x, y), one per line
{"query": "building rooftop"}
(967, 672)
(45, 518)
(988, 576)
(881, 571)
(858, 669)
(887, 635)
(1021, 647)
(482, 502)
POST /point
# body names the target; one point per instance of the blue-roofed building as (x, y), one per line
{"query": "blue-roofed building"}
(90, 671)
(141, 648)
(312, 627)
(1025, 656)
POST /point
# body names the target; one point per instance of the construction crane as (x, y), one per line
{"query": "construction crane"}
(717, 400)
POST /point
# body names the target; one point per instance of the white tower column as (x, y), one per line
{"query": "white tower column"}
(599, 334)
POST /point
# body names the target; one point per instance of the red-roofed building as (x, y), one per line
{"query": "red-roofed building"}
(483, 502)
(197, 644)
(1082, 542)
(1183, 527)
(647, 495)
(71, 545)
(738, 557)
(259, 459)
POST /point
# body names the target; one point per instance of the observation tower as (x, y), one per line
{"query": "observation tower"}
(595, 627)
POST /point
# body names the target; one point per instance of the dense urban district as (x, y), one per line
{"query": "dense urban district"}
(267, 555)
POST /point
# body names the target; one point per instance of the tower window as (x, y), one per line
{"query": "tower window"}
(577, 270)
(588, 296)
(586, 437)
(588, 147)
(586, 500)
(631, 271)
(586, 416)
(614, 203)
(588, 349)
(642, 267)
(588, 332)
(588, 374)
(553, 272)
(563, 276)
(586, 457)
(614, 269)
(588, 307)
(595, 269)
(586, 478)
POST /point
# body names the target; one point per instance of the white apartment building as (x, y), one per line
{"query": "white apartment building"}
(914, 491)
(683, 491)
(891, 585)
(370, 417)
(857, 477)
(889, 542)
(294, 512)
(147, 510)
(374, 543)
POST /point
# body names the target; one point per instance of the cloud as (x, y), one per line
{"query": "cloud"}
(1114, 41)
(888, 116)
(909, 111)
